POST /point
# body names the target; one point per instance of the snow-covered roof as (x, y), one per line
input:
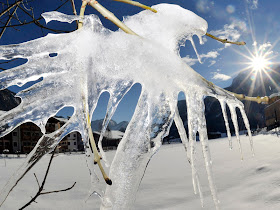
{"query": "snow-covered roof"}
(112, 134)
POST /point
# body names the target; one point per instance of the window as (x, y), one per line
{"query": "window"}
(0, 143)
(14, 133)
(24, 143)
(7, 143)
(68, 142)
(74, 135)
(75, 143)
(15, 144)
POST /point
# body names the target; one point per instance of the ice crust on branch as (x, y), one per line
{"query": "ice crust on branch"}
(94, 59)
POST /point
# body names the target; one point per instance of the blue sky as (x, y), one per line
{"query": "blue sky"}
(253, 21)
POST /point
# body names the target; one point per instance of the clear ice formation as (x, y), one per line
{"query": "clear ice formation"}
(94, 59)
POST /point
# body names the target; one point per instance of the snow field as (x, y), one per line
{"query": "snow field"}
(253, 183)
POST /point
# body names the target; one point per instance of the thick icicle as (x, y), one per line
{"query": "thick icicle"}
(223, 107)
(134, 152)
(182, 132)
(232, 109)
(197, 123)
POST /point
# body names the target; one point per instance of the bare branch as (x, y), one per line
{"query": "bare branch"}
(74, 11)
(110, 16)
(56, 191)
(40, 25)
(41, 188)
(10, 7)
(8, 21)
(258, 99)
(37, 180)
(135, 3)
(224, 41)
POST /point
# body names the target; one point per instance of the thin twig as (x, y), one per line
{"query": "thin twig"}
(224, 41)
(74, 11)
(40, 25)
(10, 7)
(137, 4)
(56, 191)
(8, 21)
(35, 20)
(41, 188)
(37, 180)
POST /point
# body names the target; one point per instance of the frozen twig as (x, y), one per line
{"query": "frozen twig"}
(224, 41)
(135, 3)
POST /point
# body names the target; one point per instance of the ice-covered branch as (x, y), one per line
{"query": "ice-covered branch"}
(224, 41)
(258, 99)
(135, 3)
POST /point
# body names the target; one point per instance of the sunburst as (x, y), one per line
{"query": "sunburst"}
(259, 63)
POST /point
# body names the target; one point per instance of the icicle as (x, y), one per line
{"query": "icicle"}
(236, 128)
(181, 130)
(200, 39)
(194, 47)
(205, 146)
(247, 125)
(192, 126)
(223, 107)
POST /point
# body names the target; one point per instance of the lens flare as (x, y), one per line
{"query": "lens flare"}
(259, 63)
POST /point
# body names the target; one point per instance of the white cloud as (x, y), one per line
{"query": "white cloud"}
(212, 63)
(231, 31)
(263, 47)
(204, 57)
(190, 61)
(211, 54)
(219, 76)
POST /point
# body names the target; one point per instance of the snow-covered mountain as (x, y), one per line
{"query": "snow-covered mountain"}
(97, 125)
(259, 84)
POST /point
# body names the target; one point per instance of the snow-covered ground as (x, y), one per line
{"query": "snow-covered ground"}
(253, 183)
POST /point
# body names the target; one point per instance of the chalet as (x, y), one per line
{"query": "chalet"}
(272, 115)
(25, 137)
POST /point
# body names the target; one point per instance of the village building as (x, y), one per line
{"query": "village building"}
(25, 137)
(272, 115)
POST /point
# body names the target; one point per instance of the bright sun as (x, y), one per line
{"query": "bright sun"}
(259, 63)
